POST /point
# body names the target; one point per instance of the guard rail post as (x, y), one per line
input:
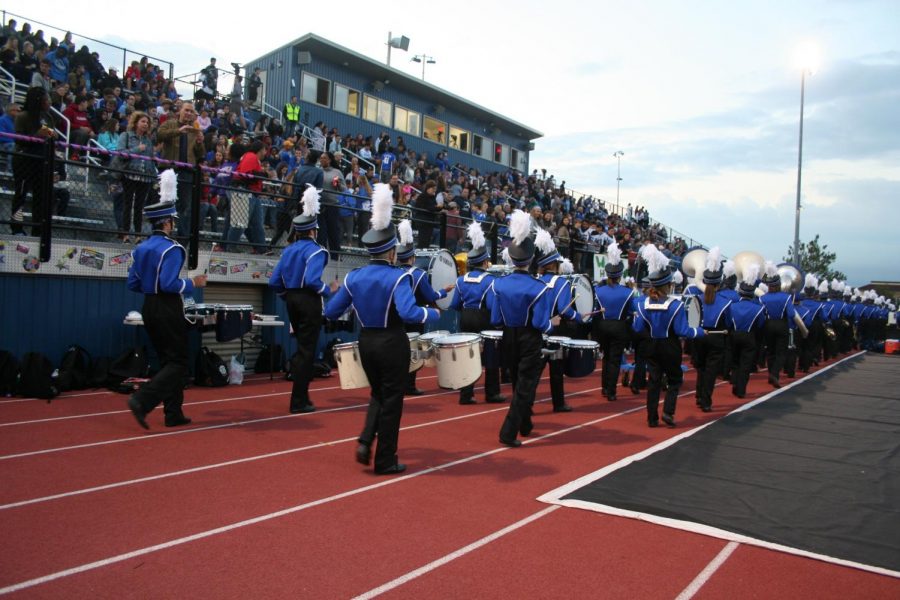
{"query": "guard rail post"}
(494, 239)
(194, 241)
(442, 238)
(46, 209)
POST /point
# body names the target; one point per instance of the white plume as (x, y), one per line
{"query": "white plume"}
(771, 269)
(810, 281)
(507, 259)
(168, 186)
(405, 232)
(613, 254)
(544, 243)
(382, 203)
(879, 300)
(857, 292)
(566, 267)
(476, 234)
(728, 268)
(823, 287)
(750, 274)
(763, 288)
(656, 260)
(847, 290)
(519, 226)
(310, 201)
(677, 278)
(836, 286)
(713, 259)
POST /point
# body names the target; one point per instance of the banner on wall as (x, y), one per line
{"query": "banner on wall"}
(600, 266)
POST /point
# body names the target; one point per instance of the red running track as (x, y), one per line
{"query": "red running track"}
(250, 500)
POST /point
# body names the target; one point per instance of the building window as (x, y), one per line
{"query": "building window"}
(481, 147)
(377, 110)
(514, 158)
(434, 130)
(346, 100)
(315, 90)
(406, 121)
(501, 153)
(459, 139)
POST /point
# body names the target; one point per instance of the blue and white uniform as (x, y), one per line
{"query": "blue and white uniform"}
(474, 299)
(611, 330)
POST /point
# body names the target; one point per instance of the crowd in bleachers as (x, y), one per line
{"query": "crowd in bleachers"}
(100, 106)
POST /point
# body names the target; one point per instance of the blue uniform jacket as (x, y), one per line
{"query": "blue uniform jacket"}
(663, 319)
(521, 300)
(716, 315)
(373, 291)
(157, 265)
(812, 311)
(560, 289)
(616, 300)
(422, 287)
(473, 290)
(301, 266)
(730, 294)
(779, 305)
(747, 315)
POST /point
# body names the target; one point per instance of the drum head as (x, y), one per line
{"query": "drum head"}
(583, 293)
(492, 334)
(432, 335)
(412, 335)
(456, 339)
(558, 339)
(441, 269)
(580, 344)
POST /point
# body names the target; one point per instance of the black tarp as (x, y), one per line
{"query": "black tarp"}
(815, 467)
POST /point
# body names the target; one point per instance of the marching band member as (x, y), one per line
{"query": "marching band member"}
(297, 278)
(665, 319)
(811, 309)
(829, 314)
(715, 311)
(640, 340)
(560, 289)
(747, 316)
(154, 272)
(382, 297)
(474, 300)
(858, 308)
(779, 320)
(422, 290)
(612, 323)
(522, 306)
(729, 282)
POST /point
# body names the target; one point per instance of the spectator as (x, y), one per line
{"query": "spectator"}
(292, 116)
(329, 218)
(140, 173)
(80, 126)
(364, 204)
(211, 76)
(182, 141)
(41, 79)
(426, 211)
(253, 86)
(455, 229)
(109, 135)
(387, 163)
(246, 206)
(34, 120)
(59, 64)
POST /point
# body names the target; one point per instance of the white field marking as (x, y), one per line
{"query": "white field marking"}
(238, 461)
(287, 511)
(704, 576)
(403, 579)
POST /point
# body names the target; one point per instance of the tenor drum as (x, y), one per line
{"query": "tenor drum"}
(580, 357)
(233, 321)
(553, 347)
(415, 362)
(350, 367)
(458, 360)
(491, 355)
(582, 294)
(692, 310)
(426, 348)
(441, 268)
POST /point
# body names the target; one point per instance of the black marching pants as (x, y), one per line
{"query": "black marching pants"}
(168, 332)
(522, 354)
(473, 320)
(385, 359)
(744, 348)
(305, 312)
(710, 356)
(612, 337)
(776, 346)
(663, 358)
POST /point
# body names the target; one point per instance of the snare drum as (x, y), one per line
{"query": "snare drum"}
(491, 355)
(582, 294)
(441, 269)
(415, 362)
(458, 360)
(350, 367)
(580, 357)
(426, 349)
(553, 347)
(201, 315)
(233, 321)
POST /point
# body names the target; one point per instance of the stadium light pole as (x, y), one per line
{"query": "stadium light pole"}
(618, 154)
(425, 60)
(807, 60)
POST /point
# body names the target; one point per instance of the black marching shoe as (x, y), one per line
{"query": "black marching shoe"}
(138, 412)
(498, 399)
(177, 421)
(562, 409)
(363, 454)
(511, 443)
(467, 401)
(304, 408)
(413, 392)
(392, 470)
(652, 423)
(604, 392)
(611, 398)
(773, 381)
(706, 408)
(668, 419)
(635, 390)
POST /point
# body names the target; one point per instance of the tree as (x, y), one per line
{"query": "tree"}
(815, 259)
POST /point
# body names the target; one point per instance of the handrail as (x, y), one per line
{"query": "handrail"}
(63, 134)
(278, 112)
(12, 83)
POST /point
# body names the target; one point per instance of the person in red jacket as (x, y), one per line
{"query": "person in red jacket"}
(80, 125)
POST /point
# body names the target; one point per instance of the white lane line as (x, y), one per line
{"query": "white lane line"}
(403, 579)
(704, 576)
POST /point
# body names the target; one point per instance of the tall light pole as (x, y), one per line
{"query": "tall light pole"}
(807, 58)
(618, 154)
(425, 60)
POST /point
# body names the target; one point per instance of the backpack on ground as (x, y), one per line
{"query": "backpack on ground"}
(75, 369)
(270, 359)
(100, 371)
(36, 377)
(210, 370)
(9, 373)
(132, 363)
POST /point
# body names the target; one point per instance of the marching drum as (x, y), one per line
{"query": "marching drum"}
(582, 294)
(233, 321)
(441, 268)
(426, 349)
(458, 360)
(553, 347)
(491, 355)
(692, 310)
(415, 361)
(580, 357)
(350, 367)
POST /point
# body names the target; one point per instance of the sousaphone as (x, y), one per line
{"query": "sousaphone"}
(693, 263)
(744, 259)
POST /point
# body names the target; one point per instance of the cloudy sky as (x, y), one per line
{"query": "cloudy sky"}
(703, 97)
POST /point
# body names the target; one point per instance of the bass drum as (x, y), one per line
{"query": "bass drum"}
(441, 269)
(458, 360)
(582, 294)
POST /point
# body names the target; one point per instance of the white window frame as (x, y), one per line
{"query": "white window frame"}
(344, 109)
(303, 77)
(378, 102)
(504, 153)
(405, 128)
(454, 130)
(434, 139)
(485, 143)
